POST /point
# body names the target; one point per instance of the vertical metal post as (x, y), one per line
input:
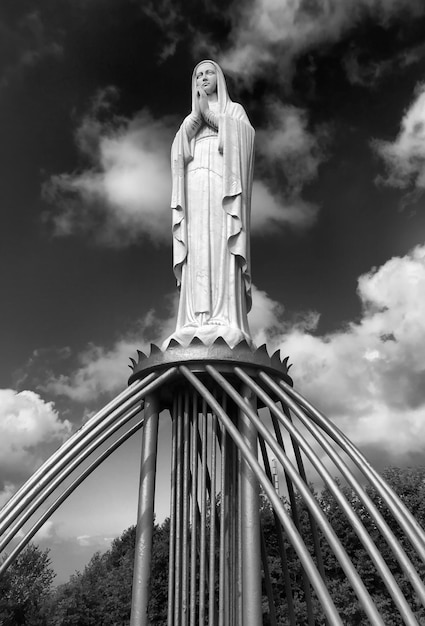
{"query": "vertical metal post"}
(172, 551)
(178, 513)
(186, 486)
(203, 529)
(194, 513)
(250, 518)
(145, 515)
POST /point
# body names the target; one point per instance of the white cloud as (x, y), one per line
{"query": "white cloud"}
(47, 532)
(268, 211)
(405, 156)
(125, 193)
(6, 493)
(272, 33)
(287, 143)
(370, 376)
(104, 370)
(27, 422)
(289, 154)
(267, 320)
(94, 541)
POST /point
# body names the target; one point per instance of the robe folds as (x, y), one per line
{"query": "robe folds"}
(211, 204)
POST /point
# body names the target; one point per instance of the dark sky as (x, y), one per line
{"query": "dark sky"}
(91, 94)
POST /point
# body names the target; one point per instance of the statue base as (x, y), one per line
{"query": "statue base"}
(208, 334)
(197, 356)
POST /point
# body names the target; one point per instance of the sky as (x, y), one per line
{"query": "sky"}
(91, 95)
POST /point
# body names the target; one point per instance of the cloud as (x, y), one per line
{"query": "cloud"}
(47, 532)
(268, 319)
(270, 34)
(269, 211)
(370, 375)
(405, 156)
(286, 144)
(27, 423)
(6, 493)
(25, 44)
(96, 542)
(104, 370)
(171, 21)
(288, 156)
(369, 73)
(125, 192)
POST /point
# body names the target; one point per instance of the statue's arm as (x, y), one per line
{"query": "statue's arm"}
(191, 124)
(210, 118)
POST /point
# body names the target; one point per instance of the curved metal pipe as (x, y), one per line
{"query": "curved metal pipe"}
(79, 444)
(308, 498)
(401, 513)
(58, 480)
(68, 491)
(100, 415)
(293, 535)
(380, 564)
(383, 527)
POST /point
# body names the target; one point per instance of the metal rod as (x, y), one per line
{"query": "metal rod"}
(239, 589)
(267, 580)
(310, 501)
(400, 512)
(280, 543)
(60, 478)
(211, 607)
(202, 564)
(251, 546)
(66, 493)
(295, 516)
(222, 557)
(383, 527)
(356, 524)
(172, 550)
(301, 469)
(81, 442)
(292, 533)
(232, 498)
(186, 478)
(194, 491)
(70, 443)
(145, 514)
(179, 503)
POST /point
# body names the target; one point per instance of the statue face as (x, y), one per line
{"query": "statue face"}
(206, 77)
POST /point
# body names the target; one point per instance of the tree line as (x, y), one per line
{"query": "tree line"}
(100, 595)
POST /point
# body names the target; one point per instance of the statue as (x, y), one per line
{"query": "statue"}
(212, 164)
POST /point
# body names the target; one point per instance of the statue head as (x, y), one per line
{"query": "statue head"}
(206, 77)
(212, 73)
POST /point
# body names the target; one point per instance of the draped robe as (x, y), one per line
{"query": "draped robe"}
(211, 197)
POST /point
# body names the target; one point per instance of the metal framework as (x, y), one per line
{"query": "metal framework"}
(237, 422)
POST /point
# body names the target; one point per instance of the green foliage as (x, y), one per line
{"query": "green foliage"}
(25, 588)
(101, 594)
(410, 486)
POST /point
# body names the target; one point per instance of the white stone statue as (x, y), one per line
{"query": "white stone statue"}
(212, 164)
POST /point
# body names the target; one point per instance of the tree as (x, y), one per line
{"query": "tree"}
(101, 594)
(25, 589)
